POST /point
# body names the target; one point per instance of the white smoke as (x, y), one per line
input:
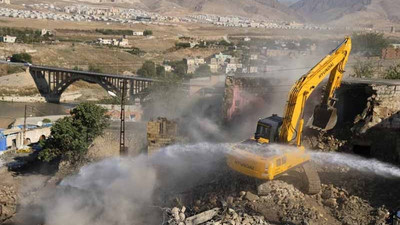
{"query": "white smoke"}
(123, 190)
(114, 191)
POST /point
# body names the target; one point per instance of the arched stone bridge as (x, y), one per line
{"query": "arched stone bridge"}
(52, 82)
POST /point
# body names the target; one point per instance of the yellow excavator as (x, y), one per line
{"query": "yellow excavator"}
(266, 164)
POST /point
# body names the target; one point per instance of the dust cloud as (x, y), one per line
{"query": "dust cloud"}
(126, 190)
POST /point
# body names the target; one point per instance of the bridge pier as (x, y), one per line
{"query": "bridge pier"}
(52, 98)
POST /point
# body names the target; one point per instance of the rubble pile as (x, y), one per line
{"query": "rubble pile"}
(276, 202)
(290, 203)
(324, 142)
(351, 209)
(8, 202)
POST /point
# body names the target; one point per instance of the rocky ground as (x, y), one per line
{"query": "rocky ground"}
(236, 200)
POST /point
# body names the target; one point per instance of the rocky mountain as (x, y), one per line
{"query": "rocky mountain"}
(348, 11)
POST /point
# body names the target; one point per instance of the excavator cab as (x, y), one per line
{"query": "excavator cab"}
(268, 129)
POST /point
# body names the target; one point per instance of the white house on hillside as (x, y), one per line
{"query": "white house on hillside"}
(8, 39)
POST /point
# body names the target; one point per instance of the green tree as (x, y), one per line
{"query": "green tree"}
(393, 72)
(160, 71)
(181, 70)
(92, 117)
(148, 69)
(46, 120)
(369, 44)
(22, 57)
(147, 32)
(203, 70)
(363, 69)
(67, 140)
(71, 136)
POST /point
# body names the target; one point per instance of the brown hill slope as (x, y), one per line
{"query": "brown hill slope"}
(361, 12)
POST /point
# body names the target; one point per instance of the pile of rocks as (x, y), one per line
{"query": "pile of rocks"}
(227, 216)
(8, 202)
(277, 202)
(285, 203)
(351, 209)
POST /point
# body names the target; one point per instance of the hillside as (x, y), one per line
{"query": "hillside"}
(349, 12)
(271, 9)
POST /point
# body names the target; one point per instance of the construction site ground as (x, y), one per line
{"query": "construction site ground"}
(217, 195)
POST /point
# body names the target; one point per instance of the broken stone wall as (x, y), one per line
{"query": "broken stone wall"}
(160, 133)
(249, 95)
(368, 119)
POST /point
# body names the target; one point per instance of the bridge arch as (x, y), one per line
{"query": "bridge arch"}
(52, 82)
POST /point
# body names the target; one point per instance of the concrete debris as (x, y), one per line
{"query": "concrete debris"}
(251, 197)
(351, 209)
(8, 202)
(277, 203)
(202, 217)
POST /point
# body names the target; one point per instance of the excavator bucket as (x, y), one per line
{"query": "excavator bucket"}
(324, 117)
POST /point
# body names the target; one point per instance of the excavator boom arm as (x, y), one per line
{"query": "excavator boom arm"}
(332, 64)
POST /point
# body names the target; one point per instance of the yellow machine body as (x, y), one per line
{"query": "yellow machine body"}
(286, 131)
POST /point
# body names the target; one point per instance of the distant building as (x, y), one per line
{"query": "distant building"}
(5, 2)
(44, 32)
(103, 41)
(143, 18)
(193, 44)
(193, 63)
(391, 53)
(214, 67)
(396, 45)
(8, 39)
(253, 69)
(168, 68)
(137, 33)
(122, 42)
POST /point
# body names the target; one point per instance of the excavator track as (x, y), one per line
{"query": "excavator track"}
(312, 181)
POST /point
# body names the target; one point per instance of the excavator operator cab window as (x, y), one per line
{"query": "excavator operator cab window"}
(263, 131)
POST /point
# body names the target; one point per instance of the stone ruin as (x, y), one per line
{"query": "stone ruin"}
(160, 133)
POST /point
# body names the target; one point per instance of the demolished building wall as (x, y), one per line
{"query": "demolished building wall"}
(246, 95)
(368, 120)
(160, 133)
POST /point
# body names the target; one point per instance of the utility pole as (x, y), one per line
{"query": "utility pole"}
(24, 131)
(122, 149)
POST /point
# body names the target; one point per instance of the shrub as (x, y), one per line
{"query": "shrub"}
(363, 69)
(393, 72)
(147, 32)
(71, 136)
(46, 120)
(369, 44)
(22, 57)
(148, 69)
